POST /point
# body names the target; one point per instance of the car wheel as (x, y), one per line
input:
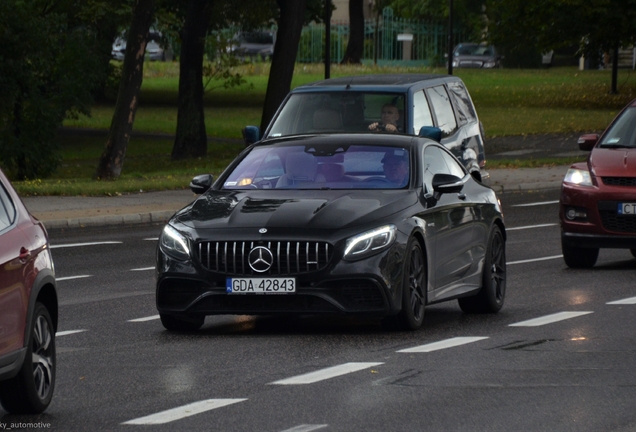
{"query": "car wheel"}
(490, 298)
(578, 257)
(411, 316)
(31, 390)
(171, 322)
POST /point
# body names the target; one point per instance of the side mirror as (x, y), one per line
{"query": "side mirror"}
(588, 141)
(446, 183)
(201, 183)
(251, 134)
(431, 132)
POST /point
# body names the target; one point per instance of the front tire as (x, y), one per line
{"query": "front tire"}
(411, 316)
(31, 390)
(577, 257)
(174, 323)
(490, 298)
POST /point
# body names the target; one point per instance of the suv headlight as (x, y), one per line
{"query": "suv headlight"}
(173, 243)
(578, 177)
(370, 242)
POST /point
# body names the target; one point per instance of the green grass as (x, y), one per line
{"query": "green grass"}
(508, 101)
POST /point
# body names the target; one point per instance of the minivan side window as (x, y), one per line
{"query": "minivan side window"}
(7, 210)
(443, 109)
(421, 112)
(462, 102)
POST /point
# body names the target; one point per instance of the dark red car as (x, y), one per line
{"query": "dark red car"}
(28, 308)
(598, 197)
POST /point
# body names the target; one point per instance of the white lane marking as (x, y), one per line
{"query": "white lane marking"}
(536, 204)
(182, 412)
(72, 277)
(68, 332)
(327, 373)
(150, 318)
(535, 259)
(306, 428)
(549, 319)
(143, 269)
(152, 239)
(68, 245)
(631, 300)
(448, 343)
(531, 226)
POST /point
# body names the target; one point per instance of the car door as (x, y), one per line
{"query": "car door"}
(13, 298)
(453, 222)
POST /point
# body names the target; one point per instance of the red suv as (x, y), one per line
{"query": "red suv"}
(28, 308)
(598, 197)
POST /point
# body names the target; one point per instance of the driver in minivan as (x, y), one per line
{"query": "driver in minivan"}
(389, 118)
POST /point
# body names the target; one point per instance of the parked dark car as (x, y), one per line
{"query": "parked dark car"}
(28, 308)
(433, 106)
(598, 197)
(474, 55)
(378, 225)
(155, 48)
(255, 45)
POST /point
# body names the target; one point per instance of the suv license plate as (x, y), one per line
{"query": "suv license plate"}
(627, 209)
(260, 285)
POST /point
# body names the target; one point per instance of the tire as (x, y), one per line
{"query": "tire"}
(411, 316)
(577, 257)
(491, 296)
(31, 390)
(174, 323)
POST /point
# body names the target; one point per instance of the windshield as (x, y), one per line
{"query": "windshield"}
(338, 112)
(322, 167)
(474, 50)
(623, 132)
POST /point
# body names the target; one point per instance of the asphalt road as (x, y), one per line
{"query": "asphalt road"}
(573, 370)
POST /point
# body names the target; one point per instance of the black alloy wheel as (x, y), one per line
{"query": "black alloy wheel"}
(577, 257)
(490, 298)
(174, 323)
(31, 390)
(414, 288)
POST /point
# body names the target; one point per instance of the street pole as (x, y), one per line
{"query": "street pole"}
(327, 39)
(450, 37)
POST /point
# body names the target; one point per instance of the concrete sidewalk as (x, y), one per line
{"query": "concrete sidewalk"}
(61, 212)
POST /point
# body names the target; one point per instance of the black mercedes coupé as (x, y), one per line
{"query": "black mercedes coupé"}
(376, 225)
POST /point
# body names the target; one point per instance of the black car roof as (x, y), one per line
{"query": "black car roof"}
(387, 82)
(349, 139)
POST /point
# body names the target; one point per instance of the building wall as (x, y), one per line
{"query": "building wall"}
(342, 10)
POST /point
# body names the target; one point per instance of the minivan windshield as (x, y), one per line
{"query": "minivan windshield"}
(339, 112)
(322, 167)
(623, 131)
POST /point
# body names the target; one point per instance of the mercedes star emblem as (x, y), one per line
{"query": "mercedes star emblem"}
(260, 259)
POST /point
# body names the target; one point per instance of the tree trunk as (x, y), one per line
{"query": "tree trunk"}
(112, 159)
(290, 25)
(355, 47)
(191, 139)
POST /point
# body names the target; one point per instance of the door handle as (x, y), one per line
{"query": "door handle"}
(24, 254)
(461, 196)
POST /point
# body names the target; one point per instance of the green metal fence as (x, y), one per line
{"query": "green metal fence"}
(381, 44)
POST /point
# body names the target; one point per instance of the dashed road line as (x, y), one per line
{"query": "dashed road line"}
(448, 343)
(627, 301)
(69, 332)
(306, 428)
(72, 277)
(149, 318)
(182, 412)
(531, 227)
(536, 204)
(68, 245)
(143, 269)
(549, 319)
(327, 373)
(535, 260)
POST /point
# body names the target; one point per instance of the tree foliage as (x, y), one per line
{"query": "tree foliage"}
(50, 65)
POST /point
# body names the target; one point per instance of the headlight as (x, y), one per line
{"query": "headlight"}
(174, 244)
(578, 177)
(489, 64)
(455, 63)
(370, 242)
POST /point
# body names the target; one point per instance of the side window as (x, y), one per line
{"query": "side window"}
(443, 110)
(7, 210)
(462, 102)
(421, 112)
(433, 164)
(453, 166)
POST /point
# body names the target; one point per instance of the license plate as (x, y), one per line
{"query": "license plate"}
(627, 209)
(260, 285)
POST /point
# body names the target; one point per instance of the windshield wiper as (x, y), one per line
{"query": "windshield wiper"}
(615, 146)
